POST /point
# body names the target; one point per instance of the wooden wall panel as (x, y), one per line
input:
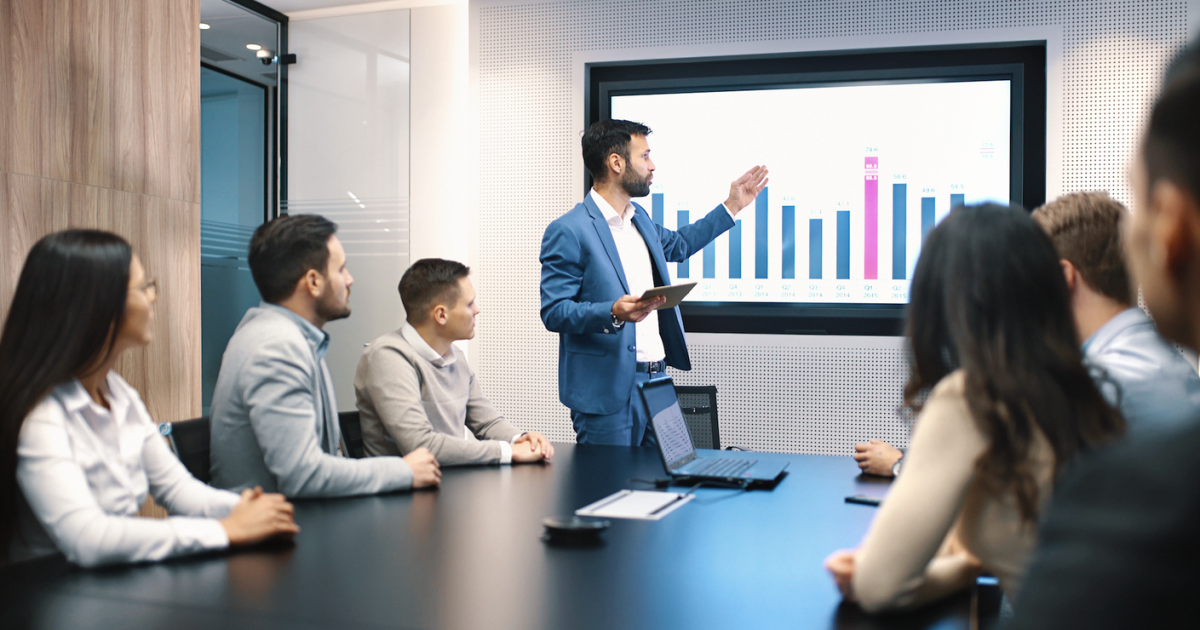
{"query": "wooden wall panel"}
(6, 102)
(157, 47)
(129, 130)
(25, 63)
(101, 129)
(183, 82)
(92, 95)
(56, 98)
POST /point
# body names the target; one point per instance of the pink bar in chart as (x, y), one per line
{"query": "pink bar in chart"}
(871, 219)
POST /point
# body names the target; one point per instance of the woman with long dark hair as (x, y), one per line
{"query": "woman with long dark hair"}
(78, 451)
(1009, 404)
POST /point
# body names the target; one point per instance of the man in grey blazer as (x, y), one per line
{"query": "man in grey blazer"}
(415, 390)
(274, 414)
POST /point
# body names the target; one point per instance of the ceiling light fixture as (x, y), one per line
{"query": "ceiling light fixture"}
(264, 53)
(253, 46)
(204, 27)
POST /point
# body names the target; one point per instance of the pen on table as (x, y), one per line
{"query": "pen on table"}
(678, 497)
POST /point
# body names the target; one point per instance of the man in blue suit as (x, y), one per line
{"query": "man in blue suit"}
(597, 260)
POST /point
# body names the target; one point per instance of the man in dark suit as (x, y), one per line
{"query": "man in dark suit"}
(1119, 544)
(597, 260)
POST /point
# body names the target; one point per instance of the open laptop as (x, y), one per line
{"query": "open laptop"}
(680, 457)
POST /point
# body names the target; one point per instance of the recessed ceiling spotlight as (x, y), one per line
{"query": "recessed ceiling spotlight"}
(253, 46)
(204, 27)
(263, 54)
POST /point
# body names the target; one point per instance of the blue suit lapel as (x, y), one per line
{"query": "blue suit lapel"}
(649, 234)
(605, 234)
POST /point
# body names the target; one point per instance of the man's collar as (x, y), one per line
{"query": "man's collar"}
(610, 214)
(319, 339)
(1131, 316)
(426, 351)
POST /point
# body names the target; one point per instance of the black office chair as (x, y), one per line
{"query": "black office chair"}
(351, 433)
(190, 441)
(699, 406)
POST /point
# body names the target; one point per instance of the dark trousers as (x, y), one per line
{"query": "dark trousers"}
(629, 426)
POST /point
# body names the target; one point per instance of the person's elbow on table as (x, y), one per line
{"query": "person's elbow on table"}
(877, 593)
(873, 593)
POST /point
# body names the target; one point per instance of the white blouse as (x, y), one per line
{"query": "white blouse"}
(85, 472)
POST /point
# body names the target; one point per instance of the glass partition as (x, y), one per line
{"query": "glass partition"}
(348, 133)
(238, 155)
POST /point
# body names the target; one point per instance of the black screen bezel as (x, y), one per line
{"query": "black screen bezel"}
(1022, 63)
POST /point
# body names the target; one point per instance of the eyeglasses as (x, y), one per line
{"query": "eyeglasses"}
(150, 288)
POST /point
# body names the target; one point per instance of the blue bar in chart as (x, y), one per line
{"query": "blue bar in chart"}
(899, 231)
(760, 234)
(789, 242)
(814, 249)
(656, 208)
(684, 268)
(843, 244)
(735, 250)
(958, 200)
(927, 217)
(710, 260)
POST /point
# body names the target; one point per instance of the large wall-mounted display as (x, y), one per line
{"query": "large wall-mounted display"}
(867, 152)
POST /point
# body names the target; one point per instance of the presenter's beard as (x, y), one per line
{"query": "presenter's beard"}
(635, 186)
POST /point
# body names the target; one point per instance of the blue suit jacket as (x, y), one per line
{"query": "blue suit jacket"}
(582, 277)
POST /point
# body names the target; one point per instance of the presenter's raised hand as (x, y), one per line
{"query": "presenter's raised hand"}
(426, 471)
(745, 188)
(539, 448)
(259, 516)
(631, 309)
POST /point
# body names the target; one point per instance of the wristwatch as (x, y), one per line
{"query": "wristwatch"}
(618, 324)
(896, 466)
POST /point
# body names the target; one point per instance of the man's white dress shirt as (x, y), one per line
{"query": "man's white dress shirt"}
(639, 275)
(85, 471)
(635, 258)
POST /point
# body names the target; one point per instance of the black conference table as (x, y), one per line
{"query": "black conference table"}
(470, 555)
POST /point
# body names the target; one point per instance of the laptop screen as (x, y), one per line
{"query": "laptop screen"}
(669, 424)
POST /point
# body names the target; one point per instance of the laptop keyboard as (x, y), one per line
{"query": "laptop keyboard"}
(723, 467)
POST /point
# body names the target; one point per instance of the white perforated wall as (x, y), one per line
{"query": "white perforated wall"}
(803, 394)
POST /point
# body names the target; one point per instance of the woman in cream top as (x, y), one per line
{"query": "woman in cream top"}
(1009, 404)
(80, 452)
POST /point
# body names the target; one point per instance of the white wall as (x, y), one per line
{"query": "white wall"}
(494, 158)
(808, 394)
(440, 149)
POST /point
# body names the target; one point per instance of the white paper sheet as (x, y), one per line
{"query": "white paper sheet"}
(639, 504)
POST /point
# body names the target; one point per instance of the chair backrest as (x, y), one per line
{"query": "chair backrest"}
(351, 433)
(190, 439)
(699, 406)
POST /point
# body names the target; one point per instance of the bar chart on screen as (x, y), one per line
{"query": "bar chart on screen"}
(850, 199)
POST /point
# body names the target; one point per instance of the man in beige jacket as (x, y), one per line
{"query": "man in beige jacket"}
(414, 389)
